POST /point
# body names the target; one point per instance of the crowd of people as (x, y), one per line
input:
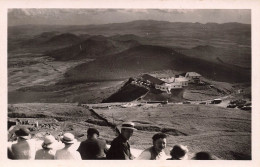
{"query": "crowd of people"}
(95, 148)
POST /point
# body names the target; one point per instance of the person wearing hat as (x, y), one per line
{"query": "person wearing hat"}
(156, 152)
(93, 148)
(25, 147)
(48, 148)
(179, 152)
(120, 148)
(68, 152)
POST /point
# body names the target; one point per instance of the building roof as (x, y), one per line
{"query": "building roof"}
(181, 80)
(152, 79)
(168, 80)
(193, 74)
(182, 74)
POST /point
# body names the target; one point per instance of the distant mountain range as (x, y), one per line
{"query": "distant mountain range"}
(220, 52)
(235, 32)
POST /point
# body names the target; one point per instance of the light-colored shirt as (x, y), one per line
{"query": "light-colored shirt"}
(24, 149)
(151, 154)
(45, 154)
(67, 154)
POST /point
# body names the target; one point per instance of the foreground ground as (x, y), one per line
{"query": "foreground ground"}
(226, 133)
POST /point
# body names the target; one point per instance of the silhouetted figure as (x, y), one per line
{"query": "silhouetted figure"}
(179, 152)
(93, 148)
(25, 147)
(120, 148)
(9, 154)
(202, 156)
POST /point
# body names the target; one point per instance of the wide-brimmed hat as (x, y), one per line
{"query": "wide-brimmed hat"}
(49, 142)
(128, 125)
(23, 133)
(68, 138)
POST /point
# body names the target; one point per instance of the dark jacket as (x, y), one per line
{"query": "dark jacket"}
(93, 149)
(120, 149)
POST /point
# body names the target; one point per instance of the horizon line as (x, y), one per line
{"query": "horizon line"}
(121, 23)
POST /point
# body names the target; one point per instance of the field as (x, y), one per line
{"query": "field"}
(226, 133)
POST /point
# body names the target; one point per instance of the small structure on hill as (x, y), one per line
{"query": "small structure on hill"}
(152, 80)
(192, 77)
(176, 82)
(165, 84)
(184, 81)
(157, 83)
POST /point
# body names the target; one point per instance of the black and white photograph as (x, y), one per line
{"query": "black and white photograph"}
(129, 84)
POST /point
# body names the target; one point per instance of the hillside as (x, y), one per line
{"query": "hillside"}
(146, 58)
(93, 47)
(42, 42)
(240, 56)
(127, 93)
(63, 39)
(226, 133)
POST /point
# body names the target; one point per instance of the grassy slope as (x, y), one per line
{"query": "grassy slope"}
(93, 47)
(224, 132)
(231, 56)
(127, 93)
(71, 119)
(146, 58)
(84, 93)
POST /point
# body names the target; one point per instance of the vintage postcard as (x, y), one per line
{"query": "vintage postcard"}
(147, 80)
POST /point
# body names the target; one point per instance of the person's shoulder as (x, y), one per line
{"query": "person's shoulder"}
(149, 149)
(145, 155)
(16, 145)
(59, 151)
(31, 141)
(116, 140)
(40, 150)
(101, 141)
(84, 142)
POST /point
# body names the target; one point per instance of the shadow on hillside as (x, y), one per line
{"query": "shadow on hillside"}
(240, 156)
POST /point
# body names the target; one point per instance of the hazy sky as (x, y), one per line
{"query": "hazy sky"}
(104, 16)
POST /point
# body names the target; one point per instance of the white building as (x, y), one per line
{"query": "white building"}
(184, 81)
(193, 77)
(175, 81)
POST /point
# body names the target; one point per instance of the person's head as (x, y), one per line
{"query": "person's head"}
(68, 139)
(159, 141)
(202, 156)
(93, 133)
(23, 133)
(127, 129)
(49, 142)
(179, 152)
